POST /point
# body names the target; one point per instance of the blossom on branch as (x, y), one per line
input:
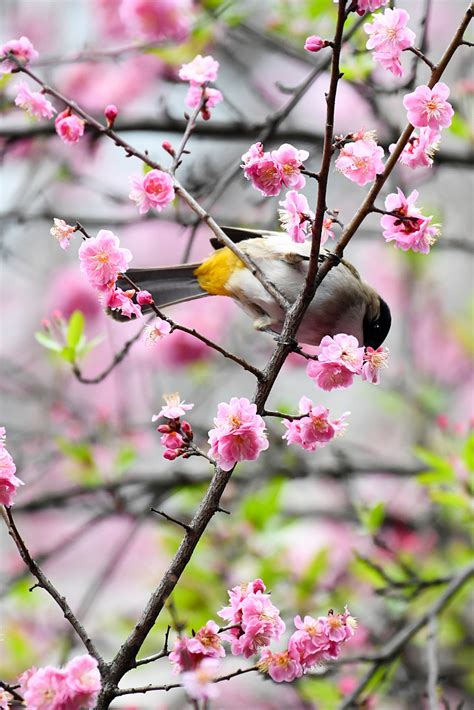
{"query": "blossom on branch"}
(239, 433)
(22, 49)
(290, 160)
(314, 430)
(389, 36)
(295, 215)
(8, 481)
(364, 6)
(196, 94)
(428, 107)
(199, 683)
(118, 300)
(407, 226)
(315, 43)
(361, 161)
(268, 172)
(374, 361)
(174, 407)
(281, 667)
(69, 127)
(74, 687)
(34, 102)
(329, 375)
(63, 232)
(420, 149)
(159, 330)
(153, 190)
(102, 258)
(200, 71)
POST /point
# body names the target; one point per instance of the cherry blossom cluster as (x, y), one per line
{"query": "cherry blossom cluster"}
(199, 73)
(74, 687)
(254, 622)
(389, 36)
(238, 434)
(406, 225)
(296, 218)
(177, 435)
(313, 429)
(8, 481)
(269, 172)
(340, 358)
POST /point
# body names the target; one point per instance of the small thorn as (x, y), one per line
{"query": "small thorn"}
(222, 510)
(172, 520)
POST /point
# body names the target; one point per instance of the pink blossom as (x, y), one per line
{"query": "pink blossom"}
(420, 149)
(317, 640)
(46, 689)
(330, 375)
(155, 189)
(22, 49)
(157, 19)
(195, 96)
(233, 613)
(407, 226)
(118, 300)
(342, 349)
(361, 161)
(364, 6)
(172, 440)
(200, 71)
(144, 298)
(315, 430)
(207, 641)
(239, 433)
(5, 699)
(255, 152)
(326, 232)
(82, 676)
(159, 330)
(173, 409)
(69, 127)
(264, 173)
(281, 667)
(290, 160)
(102, 258)
(63, 232)
(389, 36)
(315, 43)
(182, 658)
(199, 683)
(34, 102)
(374, 360)
(8, 481)
(295, 215)
(428, 107)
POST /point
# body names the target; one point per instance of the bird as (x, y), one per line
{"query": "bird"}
(343, 302)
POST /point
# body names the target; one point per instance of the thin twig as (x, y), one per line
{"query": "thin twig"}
(170, 686)
(172, 520)
(433, 667)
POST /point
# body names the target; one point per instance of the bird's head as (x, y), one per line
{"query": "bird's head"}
(377, 324)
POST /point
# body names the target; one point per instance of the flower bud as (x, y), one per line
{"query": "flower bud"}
(187, 429)
(163, 429)
(144, 298)
(170, 455)
(315, 43)
(166, 145)
(110, 113)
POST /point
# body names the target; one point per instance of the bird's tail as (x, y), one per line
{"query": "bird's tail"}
(167, 285)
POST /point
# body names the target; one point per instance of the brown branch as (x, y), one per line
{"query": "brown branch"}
(48, 586)
(398, 642)
(117, 359)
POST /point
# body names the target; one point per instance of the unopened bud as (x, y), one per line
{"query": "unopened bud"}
(205, 113)
(110, 113)
(166, 145)
(170, 455)
(186, 428)
(144, 298)
(315, 43)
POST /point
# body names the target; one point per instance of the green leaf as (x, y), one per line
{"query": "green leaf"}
(125, 457)
(318, 565)
(436, 463)
(75, 329)
(372, 518)
(450, 498)
(460, 127)
(469, 452)
(68, 354)
(85, 347)
(263, 505)
(319, 692)
(47, 342)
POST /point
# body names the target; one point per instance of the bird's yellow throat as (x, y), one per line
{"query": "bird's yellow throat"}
(214, 273)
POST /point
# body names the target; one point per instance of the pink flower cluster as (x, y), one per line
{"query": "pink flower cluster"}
(22, 49)
(361, 160)
(199, 73)
(256, 619)
(314, 430)
(34, 102)
(239, 433)
(153, 190)
(269, 172)
(389, 37)
(74, 687)
(177, 435)
(406, 225)
(313, 642)
(255, 622)
(364, 6)
(157, 19)
(8, 481)
(102, 260)
(340, 358)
